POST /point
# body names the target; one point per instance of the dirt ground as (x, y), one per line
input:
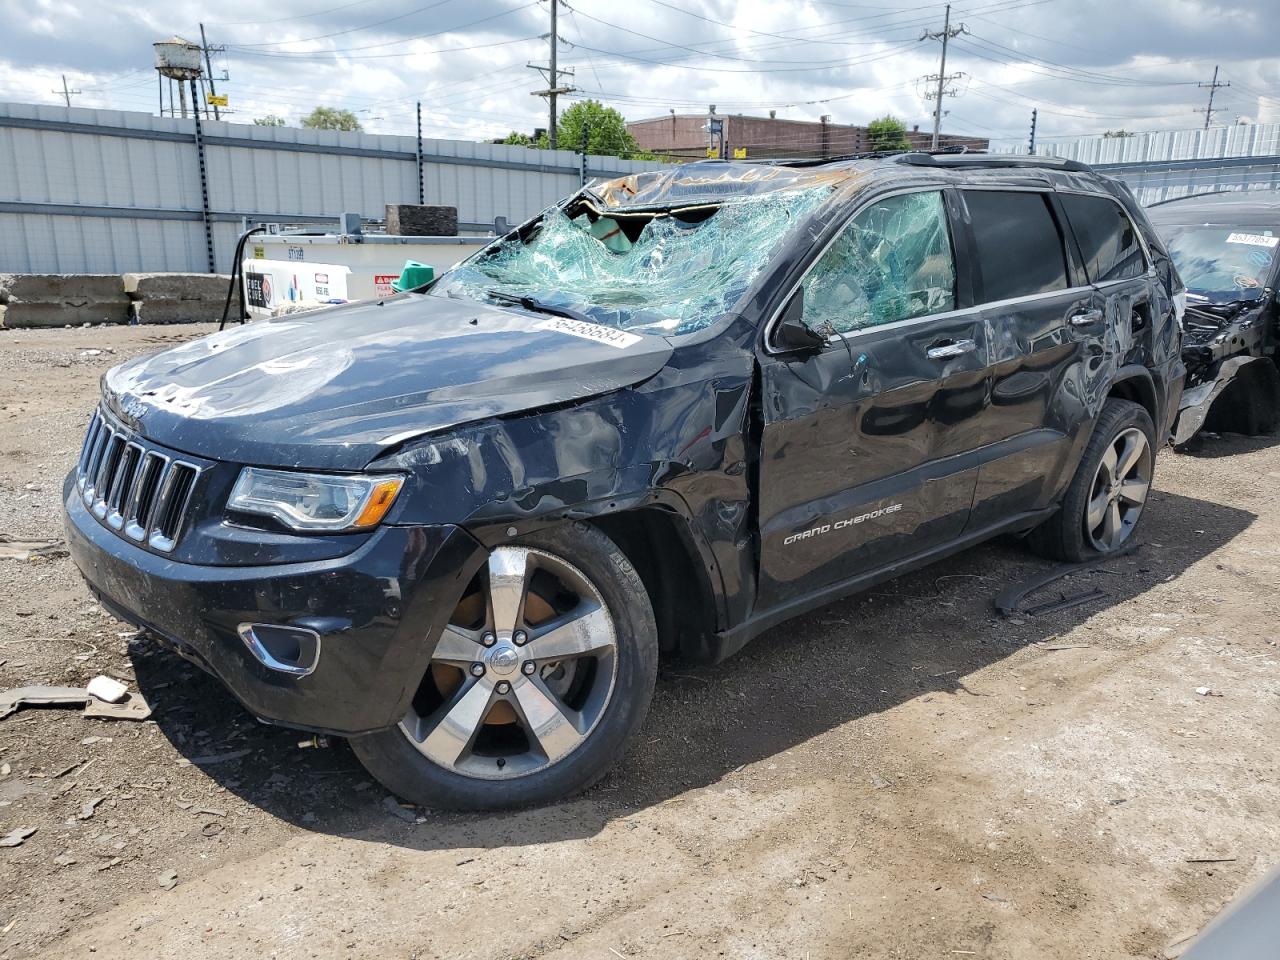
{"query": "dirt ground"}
(900, 775)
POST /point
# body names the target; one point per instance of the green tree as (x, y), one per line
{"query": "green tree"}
(888, 133)
(1116, 134)
(515, 139)
(607, 133)
(331, 118)
(270, 120)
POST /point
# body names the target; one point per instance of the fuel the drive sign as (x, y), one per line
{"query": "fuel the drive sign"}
(257, 289)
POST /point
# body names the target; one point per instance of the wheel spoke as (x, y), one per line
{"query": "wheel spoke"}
(1097, 510)
(549, 723)
(1134, 492)
(457, 646)
(1109, 463)
(1112, 525)
(1128, 458)
(454, 732)
(508, 579)
(575, 636)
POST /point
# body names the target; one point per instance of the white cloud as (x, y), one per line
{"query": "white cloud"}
(1087, 66)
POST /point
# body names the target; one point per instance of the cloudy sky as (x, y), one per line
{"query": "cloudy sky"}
(1088, 65)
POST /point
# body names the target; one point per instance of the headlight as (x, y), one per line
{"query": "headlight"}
(315, 501)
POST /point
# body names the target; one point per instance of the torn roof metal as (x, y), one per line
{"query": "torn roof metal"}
(714, 181)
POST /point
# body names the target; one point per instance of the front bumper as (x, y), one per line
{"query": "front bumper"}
(378, 611)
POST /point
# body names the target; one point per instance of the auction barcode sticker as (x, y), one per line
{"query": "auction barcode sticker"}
(1253, 239)
(591, 331)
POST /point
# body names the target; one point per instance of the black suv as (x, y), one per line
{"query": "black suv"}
(460, 525)
(1226, 246)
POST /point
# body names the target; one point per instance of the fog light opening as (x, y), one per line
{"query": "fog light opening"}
(291, 650)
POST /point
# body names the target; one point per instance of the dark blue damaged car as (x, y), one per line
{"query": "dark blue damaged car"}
(461, 525)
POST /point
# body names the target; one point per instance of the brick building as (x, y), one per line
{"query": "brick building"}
(680, 136)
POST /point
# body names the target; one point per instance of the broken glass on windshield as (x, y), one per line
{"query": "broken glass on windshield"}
(666, 272)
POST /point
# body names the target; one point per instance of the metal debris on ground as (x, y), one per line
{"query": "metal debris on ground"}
(15, 838)
(1066, 602)
(40, 696)
(133, 707)
(1008, 601)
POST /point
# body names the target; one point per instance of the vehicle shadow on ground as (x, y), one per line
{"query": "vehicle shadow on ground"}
(920, 635)
(1210, 446)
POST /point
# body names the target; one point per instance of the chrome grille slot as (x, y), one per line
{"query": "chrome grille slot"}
(171, 505)
(141, 493)
(107, 473)
(142, 498)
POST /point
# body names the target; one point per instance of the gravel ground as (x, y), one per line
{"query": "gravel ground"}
(902, 774)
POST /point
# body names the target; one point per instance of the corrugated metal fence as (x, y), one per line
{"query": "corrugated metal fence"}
(107, 191)
(1177, 163)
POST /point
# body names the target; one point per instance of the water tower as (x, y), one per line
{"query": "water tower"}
(178, 59)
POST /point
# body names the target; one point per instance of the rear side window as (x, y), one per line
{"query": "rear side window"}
(1017, 243)
(893, 262)
(1107, 237)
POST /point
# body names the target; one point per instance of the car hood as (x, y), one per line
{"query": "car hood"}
(334, 389)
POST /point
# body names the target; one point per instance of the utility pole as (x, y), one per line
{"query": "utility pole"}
(552, 75)
(945, 35)
(208, 62)
(1031, 146)
(67, 94)
(1213, 86)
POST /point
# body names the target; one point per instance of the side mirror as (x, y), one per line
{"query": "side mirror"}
(792, 333)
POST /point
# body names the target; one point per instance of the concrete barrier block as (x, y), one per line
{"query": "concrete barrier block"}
(62, 299)
(177, 297)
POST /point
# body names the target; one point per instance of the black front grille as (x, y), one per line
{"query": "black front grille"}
(137, 491)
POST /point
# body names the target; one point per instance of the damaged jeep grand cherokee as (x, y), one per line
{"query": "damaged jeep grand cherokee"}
(459, 526)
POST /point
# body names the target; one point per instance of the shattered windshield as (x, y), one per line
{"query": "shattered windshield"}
(1219, 263)
(667, 272)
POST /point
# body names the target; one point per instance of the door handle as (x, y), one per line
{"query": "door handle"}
(1086, 318)
(955, 348)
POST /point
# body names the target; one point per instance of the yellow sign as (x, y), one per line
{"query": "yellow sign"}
(713, 152)
(259, 252)
(216, 99)
(739, 153)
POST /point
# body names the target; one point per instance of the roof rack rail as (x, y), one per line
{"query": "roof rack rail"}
(921, 158)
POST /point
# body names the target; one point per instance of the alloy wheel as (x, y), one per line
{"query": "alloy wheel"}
(1119, 490)
(522, 673)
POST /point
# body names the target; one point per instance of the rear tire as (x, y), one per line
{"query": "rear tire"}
(560, 692)
(1105, 500)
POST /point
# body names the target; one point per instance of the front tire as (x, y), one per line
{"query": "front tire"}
(1108, 493)
(537, 685)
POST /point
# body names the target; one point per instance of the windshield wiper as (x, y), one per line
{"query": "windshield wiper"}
(534, 305)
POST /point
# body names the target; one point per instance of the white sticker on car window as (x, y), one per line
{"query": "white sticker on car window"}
(1253, 239)
(590, 331)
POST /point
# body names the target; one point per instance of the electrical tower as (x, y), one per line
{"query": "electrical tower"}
(1213, 86)
(552, 74)
(942, 78)
(66, 93)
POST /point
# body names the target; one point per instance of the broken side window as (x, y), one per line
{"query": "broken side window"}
(892, 262)
(666, 271)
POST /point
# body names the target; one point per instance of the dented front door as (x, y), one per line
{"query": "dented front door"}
(850, 475)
